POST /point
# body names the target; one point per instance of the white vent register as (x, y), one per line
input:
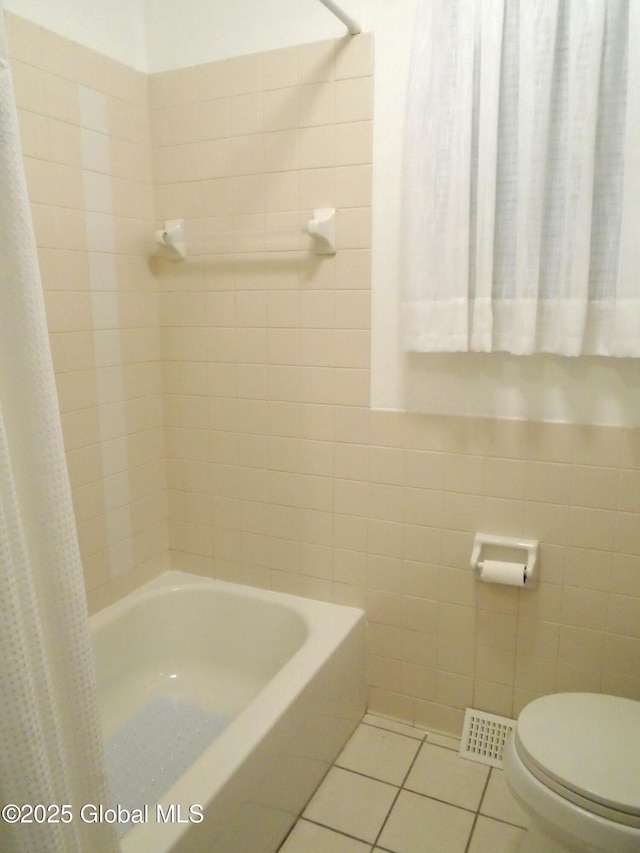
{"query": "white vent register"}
(484, 737)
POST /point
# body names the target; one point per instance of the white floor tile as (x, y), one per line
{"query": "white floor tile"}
(351, 803)
(309, 838)
(379, 753)
(420, 825)
(443, 774)
(492, 835)
(499, 802)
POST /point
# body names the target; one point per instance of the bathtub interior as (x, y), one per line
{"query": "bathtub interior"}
(215, 653)
(173, 671)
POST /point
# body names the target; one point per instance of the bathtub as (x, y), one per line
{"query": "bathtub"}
(255, 692)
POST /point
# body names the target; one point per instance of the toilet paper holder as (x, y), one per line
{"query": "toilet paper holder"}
(523, 553)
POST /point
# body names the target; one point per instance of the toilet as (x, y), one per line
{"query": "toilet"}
(573, 764)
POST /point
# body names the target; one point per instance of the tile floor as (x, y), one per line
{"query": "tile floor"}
(399, 789)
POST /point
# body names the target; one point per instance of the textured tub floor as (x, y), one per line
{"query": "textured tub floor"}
(396, 788)
(153, 748)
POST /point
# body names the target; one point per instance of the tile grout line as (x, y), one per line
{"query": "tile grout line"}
(477, 813)
(401, 788)
(330, 829)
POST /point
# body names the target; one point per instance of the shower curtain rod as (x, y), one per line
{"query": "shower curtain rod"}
(352, 25)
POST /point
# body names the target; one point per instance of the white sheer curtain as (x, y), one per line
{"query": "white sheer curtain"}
(50, 741)
(521, 210)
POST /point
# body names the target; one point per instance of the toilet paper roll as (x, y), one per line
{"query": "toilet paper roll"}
(497, 571)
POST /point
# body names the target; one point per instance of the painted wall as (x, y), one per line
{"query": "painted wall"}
(115, 28)
(199, 31)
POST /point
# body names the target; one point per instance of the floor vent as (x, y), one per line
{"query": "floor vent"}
(484, 736)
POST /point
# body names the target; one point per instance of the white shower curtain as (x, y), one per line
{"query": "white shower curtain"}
(50, 741)
(522, 178)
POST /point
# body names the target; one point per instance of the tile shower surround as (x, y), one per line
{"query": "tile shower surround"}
(219, 409)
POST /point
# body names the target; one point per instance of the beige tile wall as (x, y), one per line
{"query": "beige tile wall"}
(266, 344)
(279, 474)
(84, 126)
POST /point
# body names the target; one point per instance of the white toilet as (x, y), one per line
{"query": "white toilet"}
(573, 763)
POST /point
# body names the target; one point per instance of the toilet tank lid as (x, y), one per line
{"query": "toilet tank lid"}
(587, 742)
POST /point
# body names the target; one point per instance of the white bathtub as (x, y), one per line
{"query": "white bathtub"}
(186, 652)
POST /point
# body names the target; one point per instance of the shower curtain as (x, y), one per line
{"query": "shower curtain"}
(51, 760)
